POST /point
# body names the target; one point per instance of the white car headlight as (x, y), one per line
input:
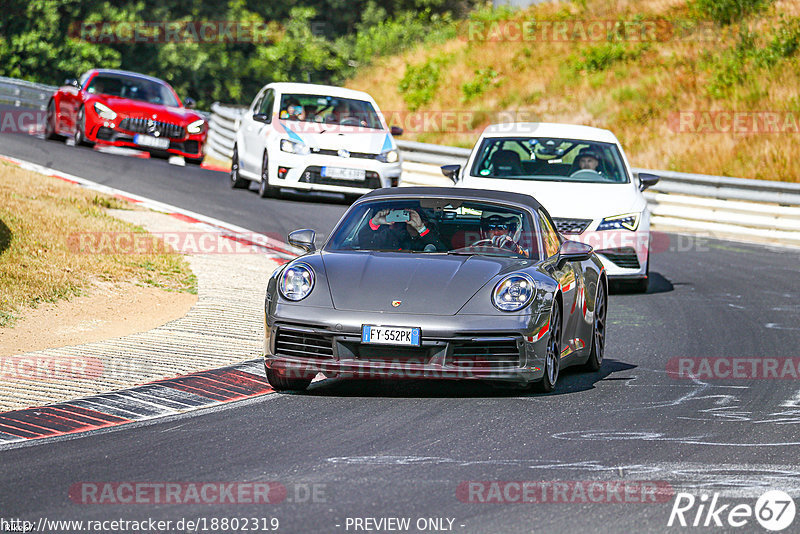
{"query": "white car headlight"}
(293, 147)
(629, 221)
(196, 127)
(104, 111)
(296, 282)
(389, 156)
(513, 292)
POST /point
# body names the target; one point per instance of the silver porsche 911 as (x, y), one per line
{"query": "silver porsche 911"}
(439, 283)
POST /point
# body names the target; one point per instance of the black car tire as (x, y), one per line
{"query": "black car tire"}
(195, 161)
(280, 382)
(552, 362)
(50, 122)
(264, 189)
(599, 330)
(236, 181)
(80, 129)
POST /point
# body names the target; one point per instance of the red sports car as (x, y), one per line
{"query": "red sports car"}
(120, 108)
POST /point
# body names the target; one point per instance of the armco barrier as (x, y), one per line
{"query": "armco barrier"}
(719, 206)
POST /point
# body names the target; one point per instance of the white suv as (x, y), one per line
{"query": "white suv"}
(314, 138)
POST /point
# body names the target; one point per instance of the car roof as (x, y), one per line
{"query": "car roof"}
(312, 88)
(129, 73)
(550, 129)
(455, 192)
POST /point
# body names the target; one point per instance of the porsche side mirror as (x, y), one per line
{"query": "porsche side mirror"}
(189, 103)
(647, 180)
(451, 171)
(396, 131)
(574, 251)
(303, 239)
(72, 82)
(261, 117)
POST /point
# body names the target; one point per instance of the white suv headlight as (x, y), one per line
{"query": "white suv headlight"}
(513, 292)
(196, 127)
(293, 147)
(389, 156)
(296, 282)
(629, 221)
(104, 111)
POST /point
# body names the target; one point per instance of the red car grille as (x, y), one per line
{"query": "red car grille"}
(151, 127)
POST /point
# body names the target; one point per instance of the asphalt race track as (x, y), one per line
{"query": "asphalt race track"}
(403, 448)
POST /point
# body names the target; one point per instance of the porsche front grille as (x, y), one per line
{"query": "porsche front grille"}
(151, 127)
(622, 257)
(303, 344)
(485, 354)
(572, 226)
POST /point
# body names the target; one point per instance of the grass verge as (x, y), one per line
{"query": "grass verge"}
(37, 216)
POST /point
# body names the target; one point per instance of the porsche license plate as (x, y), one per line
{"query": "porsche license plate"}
(150, 141)
(390, 335)
(344, 174)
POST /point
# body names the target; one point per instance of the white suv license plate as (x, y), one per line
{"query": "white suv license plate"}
(150, 141)
(344, 174)
(390, 335)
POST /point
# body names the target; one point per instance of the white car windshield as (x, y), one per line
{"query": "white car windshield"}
(329, 110)
(451, 226)
(549, 159)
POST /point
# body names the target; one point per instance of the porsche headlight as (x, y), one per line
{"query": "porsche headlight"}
(513, 292)
(104, 111)
(296, 282)
(629, 221)
(196, 127)
(293, 147)
(389, 156)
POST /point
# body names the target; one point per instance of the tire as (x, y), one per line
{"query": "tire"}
(236, 181)
(264, 189)
(50, 122)
(280, 382)
(598, 330)
(80, 129)
(552, 362)
(195, 161)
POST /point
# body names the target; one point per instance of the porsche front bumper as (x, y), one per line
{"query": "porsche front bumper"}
(498, 348)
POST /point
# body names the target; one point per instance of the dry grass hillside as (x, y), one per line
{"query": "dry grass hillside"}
(680, 91)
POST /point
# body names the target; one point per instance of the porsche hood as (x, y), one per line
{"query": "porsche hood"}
(405, 283)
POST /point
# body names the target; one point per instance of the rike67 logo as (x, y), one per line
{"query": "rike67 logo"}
(774, 510)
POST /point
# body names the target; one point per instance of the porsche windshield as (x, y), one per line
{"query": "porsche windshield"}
(437, 226)
(132, 87)
(548, 159)
(329, 110)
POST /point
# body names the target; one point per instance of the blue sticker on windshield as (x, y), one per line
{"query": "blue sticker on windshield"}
(485, 172)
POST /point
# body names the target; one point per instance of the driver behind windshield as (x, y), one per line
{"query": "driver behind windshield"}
(399, 229)
(501, 231)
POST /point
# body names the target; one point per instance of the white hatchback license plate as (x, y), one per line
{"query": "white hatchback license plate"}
(390, 335)
(344, 174)
(150, 141)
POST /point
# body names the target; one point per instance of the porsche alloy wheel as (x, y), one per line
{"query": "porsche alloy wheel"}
(553, 358)
(237, 182)
(599, 331)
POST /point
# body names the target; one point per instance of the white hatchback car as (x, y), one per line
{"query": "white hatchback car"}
(314, 138)
(581, 175)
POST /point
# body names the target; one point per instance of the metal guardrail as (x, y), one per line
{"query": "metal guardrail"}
(19, 93)
(722, 206)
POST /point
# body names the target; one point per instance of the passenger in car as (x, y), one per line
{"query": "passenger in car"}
(404, 230)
